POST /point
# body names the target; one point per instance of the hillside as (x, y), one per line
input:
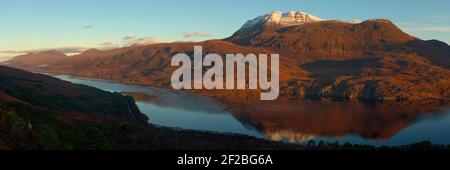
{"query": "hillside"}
(36, 60)
(42, 112)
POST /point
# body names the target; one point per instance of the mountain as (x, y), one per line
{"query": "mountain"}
(355, 60)
(370, 60)
(86, 57)
(435, 51)
(36, 60)
(326, 39)
(274, 20)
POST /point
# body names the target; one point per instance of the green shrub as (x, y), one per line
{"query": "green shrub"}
(17, 129)
(98, 140)
(47, 137)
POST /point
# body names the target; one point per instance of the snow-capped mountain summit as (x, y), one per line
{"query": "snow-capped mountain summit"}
(290, 18)
(282, 19)
(275, 19)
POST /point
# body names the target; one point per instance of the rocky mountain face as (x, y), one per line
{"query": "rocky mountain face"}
(372, 60)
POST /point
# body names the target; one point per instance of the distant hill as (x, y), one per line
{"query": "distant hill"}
(36, 60)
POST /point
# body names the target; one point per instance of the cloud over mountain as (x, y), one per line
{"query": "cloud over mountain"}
(130, 40)
(195, 34)
(66, 50)
(108, 45)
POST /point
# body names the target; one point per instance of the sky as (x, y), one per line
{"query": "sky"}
(75, 25)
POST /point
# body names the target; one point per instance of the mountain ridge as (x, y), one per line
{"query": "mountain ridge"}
(371, 60)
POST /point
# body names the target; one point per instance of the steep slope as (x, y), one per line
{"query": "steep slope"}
(437, 52)
(45, 91)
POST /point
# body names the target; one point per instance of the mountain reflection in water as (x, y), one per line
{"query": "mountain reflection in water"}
(375, 123)
(303, 120)
(300, 121)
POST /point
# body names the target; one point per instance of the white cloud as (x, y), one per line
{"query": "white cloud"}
(108, 46)
(130, 40)
(67, 50)
(354, 21)
(195, 34)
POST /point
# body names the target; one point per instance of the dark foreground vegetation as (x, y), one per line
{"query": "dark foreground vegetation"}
(29, 127)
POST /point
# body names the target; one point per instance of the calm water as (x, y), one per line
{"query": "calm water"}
(300, 121)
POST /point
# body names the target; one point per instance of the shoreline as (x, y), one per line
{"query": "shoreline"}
(215, 93)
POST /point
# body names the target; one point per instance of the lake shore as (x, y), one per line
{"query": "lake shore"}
(366, 123)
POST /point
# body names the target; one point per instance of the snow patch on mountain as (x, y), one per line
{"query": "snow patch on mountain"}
(283, 19)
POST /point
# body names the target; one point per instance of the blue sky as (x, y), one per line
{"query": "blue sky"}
(30, 24)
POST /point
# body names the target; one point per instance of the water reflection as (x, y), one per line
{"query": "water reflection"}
(357, 122)
(304, 120)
